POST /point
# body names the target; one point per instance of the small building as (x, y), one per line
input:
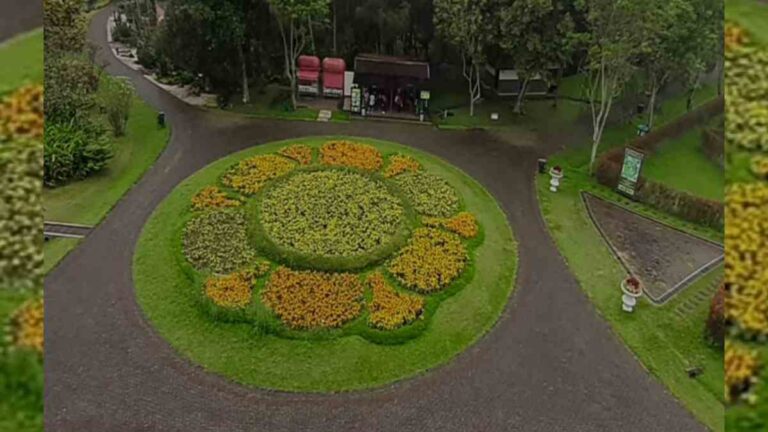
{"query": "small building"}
(507, 82)
(388, 84)
(308, 75)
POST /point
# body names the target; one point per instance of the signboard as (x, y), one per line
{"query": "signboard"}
(309, 89)
(356, 99)
(425, 94)
(630, 171)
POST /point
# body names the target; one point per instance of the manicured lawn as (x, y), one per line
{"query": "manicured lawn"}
(681, 164)
(752, 15)
(88, 201)
(171, 302)
(272, 101)
(665, 344)
(20, 61)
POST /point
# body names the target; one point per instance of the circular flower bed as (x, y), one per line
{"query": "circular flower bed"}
(319, 240)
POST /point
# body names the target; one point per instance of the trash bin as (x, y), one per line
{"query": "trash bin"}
(542, 166)
(161, 119)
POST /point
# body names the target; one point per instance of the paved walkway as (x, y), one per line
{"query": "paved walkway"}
(550, 364)
(17, 16)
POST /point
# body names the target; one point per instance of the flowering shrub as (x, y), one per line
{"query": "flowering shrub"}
(310, 299)
(330, 213)
(211, 197)
(746, 257)
(230, 291)
(26, 326)
(429, 194)
(298, 152)
(351, 154)
(463, 224)
(251, 174)
(431, 261)
(399, 164)
(21, 114)
(388, 308)
(741, 366)
(218, 241)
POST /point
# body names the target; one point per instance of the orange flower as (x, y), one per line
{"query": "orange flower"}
(298, 152)
(463, 224)
(351, 154)
(211, 197)
(388, 308)
(231, 291)
(399, 164)
(21, 114)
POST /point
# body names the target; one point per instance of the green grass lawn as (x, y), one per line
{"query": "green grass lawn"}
(22, 58)
(271, 101)
(752, 15)
(171, 302)
(681, 164)
(88, 201)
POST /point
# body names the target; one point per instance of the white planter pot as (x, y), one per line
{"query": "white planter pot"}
(628, 298)
(554, 181)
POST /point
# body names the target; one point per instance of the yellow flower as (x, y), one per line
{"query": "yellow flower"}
(26, 326)
(431, 261)
(463, 224)
(21, 114)
(211, 197)
(231, 291)
(399, 164)
(298, 152)
(251, 174)
(741, 366)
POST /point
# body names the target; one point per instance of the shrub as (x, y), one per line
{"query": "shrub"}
(71, 83)
(116, 95)
(715, 329)
(463, 224)
(682, 204)
(211, 197)
(399, 164)
(388, 308)
(330, 213)
(217, 241)
(74, 151)
(311, 300)
(430, 262)
(429, 194)
(298, 152)
(21, 114)
(351, 154)
(746, 257)
(21, 213)
(25, 328)
(741, 366)
(231, 291)
(251, 174)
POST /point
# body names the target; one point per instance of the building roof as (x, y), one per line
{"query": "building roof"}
(375, 64)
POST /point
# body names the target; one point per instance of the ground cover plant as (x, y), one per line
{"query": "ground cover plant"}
(341, 283)
(746, 234)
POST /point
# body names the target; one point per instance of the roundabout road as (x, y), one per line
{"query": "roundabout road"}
(550, 363)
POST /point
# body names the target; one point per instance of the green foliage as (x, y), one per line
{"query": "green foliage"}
(71, 83)
(21, 218)
(73, 151)
(217, 241)
(429, 194)
(65, 26)
(116, 95)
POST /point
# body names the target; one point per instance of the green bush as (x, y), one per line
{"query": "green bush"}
(71, 83)
(218, 241)
(116, 95)
(74, 151)
(429, 194)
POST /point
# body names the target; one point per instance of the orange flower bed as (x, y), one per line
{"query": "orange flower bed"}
(463, 224)
(251, 174)
(26, 326)
(211, 197)
(399, 164)
(390, 309)
(311, 299)
(230, 291)
(741, 366)
(735, 36)
(431, 261)
(21, 114)
(351, 154)
(298, 152)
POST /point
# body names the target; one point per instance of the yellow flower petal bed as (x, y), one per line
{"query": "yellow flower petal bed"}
(388, 308)
(746, 257)
(312, 299)
(759, 166)
(399, 164)
(741, 366)
(21, 114)
(230, 291)
(351, 154)
(251, 174)
(26, 326)
(431, 261)
(211, 197)
(463, 224)
(298, 152)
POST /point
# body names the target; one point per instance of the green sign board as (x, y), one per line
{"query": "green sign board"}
(630, 171)
(425, 94)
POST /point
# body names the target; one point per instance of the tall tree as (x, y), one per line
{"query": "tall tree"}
(705, 46)
(614, 40)
(293, 19)
(470, 25)
(539, 34)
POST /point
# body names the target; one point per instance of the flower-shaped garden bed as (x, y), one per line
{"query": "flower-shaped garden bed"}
(325, 264)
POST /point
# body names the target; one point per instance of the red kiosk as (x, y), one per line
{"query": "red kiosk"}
(309, 75)
(333, 77)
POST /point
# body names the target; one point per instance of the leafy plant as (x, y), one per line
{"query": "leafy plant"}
(115, 96)
(429, 194)
(73, 151)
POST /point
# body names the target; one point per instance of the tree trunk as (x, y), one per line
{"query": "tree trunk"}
(246, 90)
(520, 97)
(652, 104)
(334, 28)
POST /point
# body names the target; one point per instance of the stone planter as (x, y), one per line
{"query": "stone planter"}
(629, 297)
(554, 182)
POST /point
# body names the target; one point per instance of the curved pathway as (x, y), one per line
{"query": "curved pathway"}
(17, 16)
(550, 364)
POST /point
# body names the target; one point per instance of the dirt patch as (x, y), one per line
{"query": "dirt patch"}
(665, 259)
